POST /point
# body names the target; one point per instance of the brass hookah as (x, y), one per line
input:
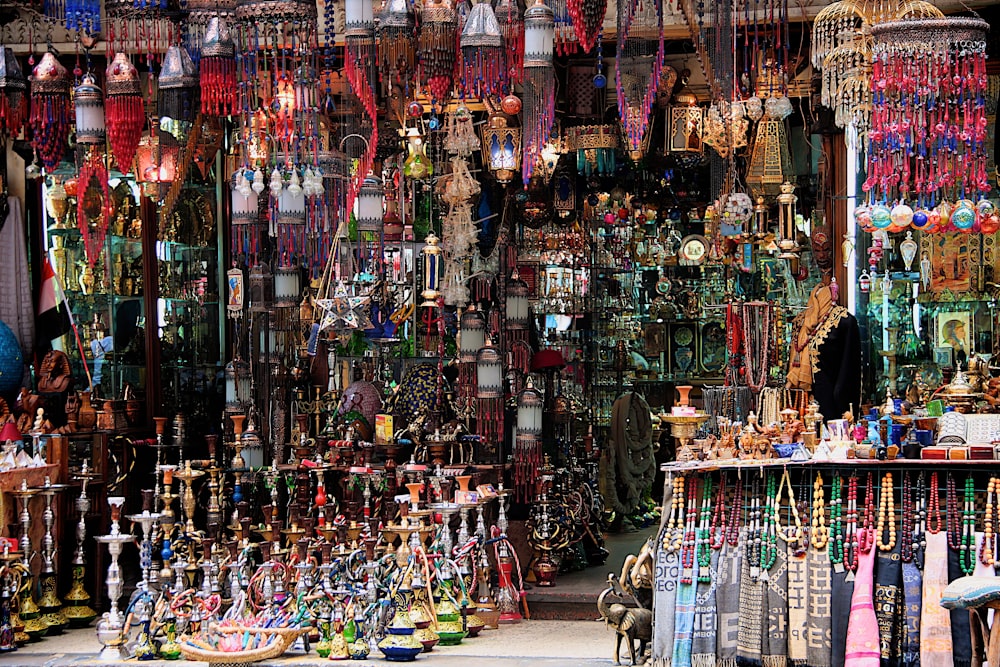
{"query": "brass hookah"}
(10, 581)
(50, 603)
(28, 610)
(77, 610)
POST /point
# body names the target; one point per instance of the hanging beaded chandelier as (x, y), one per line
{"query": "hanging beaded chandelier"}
(637, 73)
(13, 100)
(397, 41)
(484, 71)
(51, 112)
(436, 47)
(511, 21)
(124, 109)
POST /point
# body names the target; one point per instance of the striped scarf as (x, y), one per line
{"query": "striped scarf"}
(705, 619)
(668, 569)
(727, 602)
(684, 624)
(752, 618)
(818, 650)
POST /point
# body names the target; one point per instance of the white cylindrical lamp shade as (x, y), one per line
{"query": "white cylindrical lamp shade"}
(359, 14)
(291, 208)
(88, 102)
(489, 372)
(244, 200)
(539, 34)
(473, 334)
(517, 308)
(371, 205)
(287, 285)
(530, 407)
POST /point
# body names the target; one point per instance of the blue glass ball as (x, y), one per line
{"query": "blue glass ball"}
(600, 81)
(881, 216)
(964, 216)
(11, 360)
(919, 219)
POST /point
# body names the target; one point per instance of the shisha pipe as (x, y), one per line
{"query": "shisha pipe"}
(146, 520)
(78, 611)
(506, 558)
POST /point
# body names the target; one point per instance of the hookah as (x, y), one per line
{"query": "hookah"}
(50, 603)
(28, 610)
(78, 611)
(109, 628)
(10, 581)
(508, 596)
(146, 520)
(187, 475)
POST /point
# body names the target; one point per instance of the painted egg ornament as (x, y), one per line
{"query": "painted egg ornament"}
(964, 216)
(863, 217)
(881, 216)
(902, 216)
(511, 105)
(933, 220)
(920, 220)
(415, 109)
(985, 207)
(989, 224)
(944, 211)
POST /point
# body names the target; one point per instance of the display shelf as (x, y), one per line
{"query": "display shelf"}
(709, 466)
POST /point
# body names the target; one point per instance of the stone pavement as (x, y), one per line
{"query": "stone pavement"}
(535, 643)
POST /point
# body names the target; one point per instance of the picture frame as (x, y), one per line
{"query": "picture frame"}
(943, 356)
(953, 330)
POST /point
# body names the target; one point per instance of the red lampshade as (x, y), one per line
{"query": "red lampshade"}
(547, 360)
(10, 432)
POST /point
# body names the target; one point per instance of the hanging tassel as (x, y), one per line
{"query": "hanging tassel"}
(511, 22)
(539, 113)
(124, 110)
(51, 112)
(217, 71)
(436, 48)
(588, 20)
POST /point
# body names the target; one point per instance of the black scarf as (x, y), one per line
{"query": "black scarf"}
(840, 613)
(888, 603)
(961, 630)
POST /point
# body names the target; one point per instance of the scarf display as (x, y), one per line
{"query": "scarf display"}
(812, 326)
(774, 643)
(961, 626)
(16, 305)
(752, 618)
(888, 598)
(980, 638)
(818, 649)
(912, 584)
(935, 621)
(705, 619)
(862, 629)
(727, 599)
(668, 570)
(684, 624)
(798, 608)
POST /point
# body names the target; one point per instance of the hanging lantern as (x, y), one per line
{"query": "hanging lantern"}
(396, 41)
(261, 288)
(93, 205)
(217, 70)
(517, 310)
(473, 336)
(760, 218)
(178, 85)
(436, 47)
(359, 57)
(13, 85)
(501, 148)
(637, 75)
(770, 162)
(595, 148)
(686, 125)
(489, 397)
(156, 162)
(88, 100)
(539, 83)
(287, 285)
(291, 217)
(237, 386)
(528, 440)
(432, 271)
(417, 165)
(511, 23)
(483, 70)
(50, 110)
(786, 222)
(124, 110)
(245, 205)
(370, 206)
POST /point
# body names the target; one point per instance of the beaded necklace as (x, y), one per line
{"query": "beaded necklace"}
(836, 544)
(688, 542)
(704, 546)
(886, 514)
(851, 531)
(988, 550)
(717, 531)
(967, 553)
(790, 535)
(735, 515)
(867, 533)
(754, 540)
(907, 522)
(953, 521)
(769, 539)
(934, 507)
(819, 535)
(673, 534)
(920, 528)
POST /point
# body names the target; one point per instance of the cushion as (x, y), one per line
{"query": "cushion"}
(971, 592)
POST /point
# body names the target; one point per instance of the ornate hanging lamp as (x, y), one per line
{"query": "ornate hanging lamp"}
(397, 41)
(483, 69)
(217, 70)
(501, 147)
(528, 440)
(124, 110)
(770, 161)
(50, 110)
(489, 396)
(588, 21)
(359, 45)
(178, 85)
(13, 100)
(88, 102)
(539, 83)
(245, 206)
(436, 48)
(511, 22)
(637, 74)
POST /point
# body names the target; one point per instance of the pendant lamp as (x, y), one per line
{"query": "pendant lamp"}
(483, 68)
(437, 48)
(217, 70)
(770, 161)
(397, 41)
(539, 83)
(88, 102)
(50, 110)
(178, 85)
(13, 100)
(124, 110)
(511, 22)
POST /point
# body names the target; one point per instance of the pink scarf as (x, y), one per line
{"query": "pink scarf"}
(862, 627)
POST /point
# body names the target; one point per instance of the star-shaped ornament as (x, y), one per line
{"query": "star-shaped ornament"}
(344, 311)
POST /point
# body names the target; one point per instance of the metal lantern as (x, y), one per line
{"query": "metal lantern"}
(245, 201)
(760, 217)
(473, 334)
(489, 372)
(287, 285)
(50, 110)
(219, 87)
(397, 41)
(291, 205)
(518, 310)
(528, 439)
(237, 385)
(483, 70)
(13, 86)
(124, 110)
(261, 288)
(432, 270)
(359, 15)
(539, 83)
(437, 48)
(501, 148)
(530, 405)
(370, 205)
(88, 101)
(489, 399)
(770, 162)
(178, 85)
(686, 126)
(786, 222)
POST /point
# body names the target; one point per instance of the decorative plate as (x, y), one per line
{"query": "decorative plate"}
(694, 249)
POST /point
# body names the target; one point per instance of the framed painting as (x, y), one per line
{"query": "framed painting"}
(953, 330)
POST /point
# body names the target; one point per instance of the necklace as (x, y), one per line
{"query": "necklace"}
(967, 553)
(688, 542)
(907, 522)
(673, 534)
(704, 548)
(735, 515)
(769, 540)
(920, 529)
(835, 545)
(954, 523)
(987, 552)
(756, 334)
(717, 532)
(851, 531)
(789, 535)
(754, 541)
(867, 533)
(819, 535)
(934, 507)
(886, 514)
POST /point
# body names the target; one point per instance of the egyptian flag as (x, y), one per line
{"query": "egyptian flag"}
(53, 311)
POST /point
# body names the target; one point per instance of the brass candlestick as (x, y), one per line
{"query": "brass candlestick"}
(78, 611)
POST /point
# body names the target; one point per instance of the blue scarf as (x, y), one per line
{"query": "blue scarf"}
(913, 582)
(684, 625)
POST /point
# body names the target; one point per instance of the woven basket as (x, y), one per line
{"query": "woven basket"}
(286, 636)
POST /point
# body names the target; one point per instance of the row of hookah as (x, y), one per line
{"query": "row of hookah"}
(320, 555)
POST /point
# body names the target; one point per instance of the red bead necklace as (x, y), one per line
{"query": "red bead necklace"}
(953, 519)
(851, 528)
(867, 537)
(934, 507)
(717, 531)
(688, 544)
(735, 515)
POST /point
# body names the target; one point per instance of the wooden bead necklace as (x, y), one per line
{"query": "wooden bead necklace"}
(886, 514)
(967, 549)
(704, 545)
(819, 535)
(836, 543)
(952, 518)
(735, 515)
(934, 507)
(867, 533)
(792, 536)
(688, 543)
(754, 540)
(988, 550)
(673, 534)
